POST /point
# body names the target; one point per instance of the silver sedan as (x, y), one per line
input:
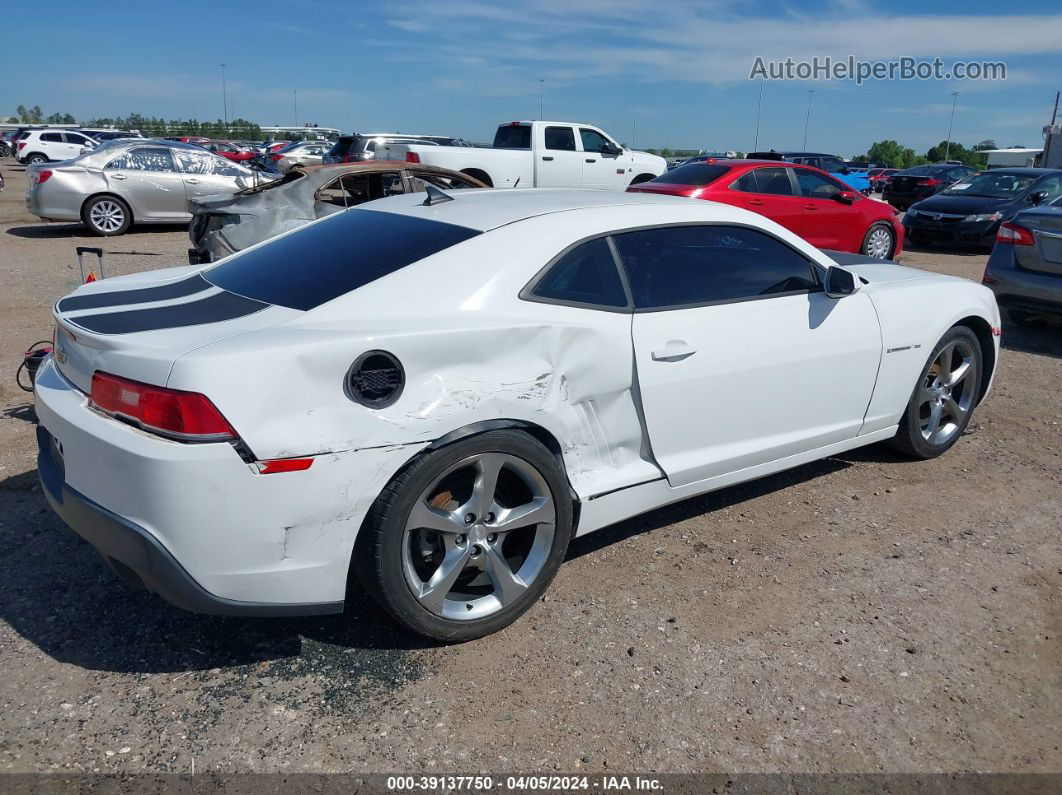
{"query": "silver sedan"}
(138, 181)
(301, 153)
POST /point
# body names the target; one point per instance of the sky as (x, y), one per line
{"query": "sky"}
(653, 73)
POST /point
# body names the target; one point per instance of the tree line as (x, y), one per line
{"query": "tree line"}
(149, 126)
(894, 155)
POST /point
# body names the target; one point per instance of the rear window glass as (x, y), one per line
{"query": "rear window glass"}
(323, 261)
(342, 146)
(697, 174)
(515, 136)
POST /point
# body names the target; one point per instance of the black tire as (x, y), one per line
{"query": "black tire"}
(36, 159)
(379, 554)
(909, 438)
(638, 180)
(864, 248)
(98, 227)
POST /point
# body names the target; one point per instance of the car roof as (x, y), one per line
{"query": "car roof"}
(488, 209)
(1025, 171)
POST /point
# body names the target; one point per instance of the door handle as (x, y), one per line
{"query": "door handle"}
(590, 160)
(547, 157)
(673, 351)
(118, 176)
(192, 181)
(810, 207)
(755, 202)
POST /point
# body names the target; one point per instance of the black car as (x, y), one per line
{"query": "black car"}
(970, 211)
(1025, 268)
(914, 184)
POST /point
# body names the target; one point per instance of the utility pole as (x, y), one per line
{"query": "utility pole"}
(759, 107)
(541, 92)
(807, 119)
(295, 94)
(947, 146)
(634, 132)
(224, 96)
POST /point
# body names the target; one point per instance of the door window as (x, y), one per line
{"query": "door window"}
(774, 181)
(816, 186)
(420, 179)
(593, 141)
(561, 138)
(833, 165)
(585, 275)
(679, 266)
(142, 159)
(75, 138)
(52, 138)
(206, 164)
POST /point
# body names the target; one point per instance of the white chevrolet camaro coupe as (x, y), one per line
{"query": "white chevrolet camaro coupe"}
(439, 393)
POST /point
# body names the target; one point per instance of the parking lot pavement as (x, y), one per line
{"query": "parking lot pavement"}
(864, 613)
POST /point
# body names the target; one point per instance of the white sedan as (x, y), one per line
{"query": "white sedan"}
(439, 394)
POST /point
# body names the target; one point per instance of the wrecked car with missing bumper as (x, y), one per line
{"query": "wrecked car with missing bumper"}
(439, 393)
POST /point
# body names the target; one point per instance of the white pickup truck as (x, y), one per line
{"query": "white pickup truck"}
(541, 154)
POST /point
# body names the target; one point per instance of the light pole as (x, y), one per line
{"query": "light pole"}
(951, 124)
(541, 92)
(295, 95)
(224, 96)
(807, 119)
(759, 107)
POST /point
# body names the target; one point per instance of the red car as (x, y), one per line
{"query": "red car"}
(879, 176)
(228, 150)
(806, 201)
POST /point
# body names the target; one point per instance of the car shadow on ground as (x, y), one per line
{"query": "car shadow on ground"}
(911, 247)
(60, 230)
(57, 593)
(1042, 336)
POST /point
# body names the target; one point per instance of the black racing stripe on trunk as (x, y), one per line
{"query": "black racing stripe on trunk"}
(216, 308)
(189, 286)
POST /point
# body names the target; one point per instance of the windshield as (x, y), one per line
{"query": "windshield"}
(349, 250)
(995, 186)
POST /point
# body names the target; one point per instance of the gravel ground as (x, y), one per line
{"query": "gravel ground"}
(865, 613)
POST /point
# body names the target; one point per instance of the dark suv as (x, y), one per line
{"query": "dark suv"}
(904, 189)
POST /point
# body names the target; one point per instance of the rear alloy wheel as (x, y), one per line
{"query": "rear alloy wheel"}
(879, 242)
(944, 398)
(468, 537)
(107, 216)
(36, 160)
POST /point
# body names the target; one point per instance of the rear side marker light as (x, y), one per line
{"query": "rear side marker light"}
(1015, 234)
(412, 157)
(42, 176)
(173, 413)
(284, 465)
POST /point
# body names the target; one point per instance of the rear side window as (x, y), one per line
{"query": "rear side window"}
(322, 261)
(560, 138)
(681, 266)
(694, 174)
(585, 275)
(143, 159)
(52, 138)
(774, 181)
(513, 136)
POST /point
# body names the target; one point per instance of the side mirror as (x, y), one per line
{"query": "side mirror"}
(1038, 197)
(844, 197)
(610, 149)
(839, 282)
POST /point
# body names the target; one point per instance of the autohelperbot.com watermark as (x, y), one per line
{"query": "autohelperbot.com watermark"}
(852, 68)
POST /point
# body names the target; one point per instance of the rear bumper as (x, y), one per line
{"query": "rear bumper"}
(1017, 288)
(138, 556)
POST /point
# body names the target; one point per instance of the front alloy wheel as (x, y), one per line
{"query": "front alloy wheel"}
(107, 216)
(468, 536)
(879, 242)
(944, 398)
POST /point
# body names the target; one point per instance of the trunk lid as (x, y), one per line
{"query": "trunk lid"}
(137, 326)
(1046, 255)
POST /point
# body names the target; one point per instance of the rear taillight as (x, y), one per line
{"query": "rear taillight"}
(276, 157)
(1014, 234)
(412, 157)
(185, 416)
(932, 182)
(20, 145)
(42, 176)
